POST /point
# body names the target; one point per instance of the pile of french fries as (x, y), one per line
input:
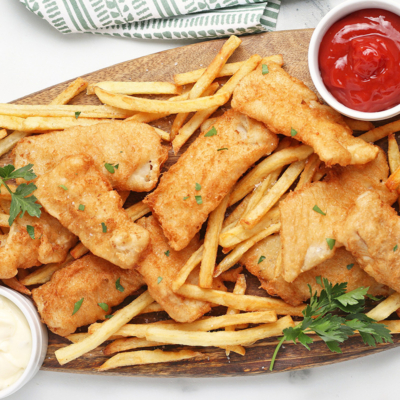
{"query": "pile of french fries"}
(256, 216)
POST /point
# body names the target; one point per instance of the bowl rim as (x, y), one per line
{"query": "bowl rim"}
(26, 307)
(327, 21)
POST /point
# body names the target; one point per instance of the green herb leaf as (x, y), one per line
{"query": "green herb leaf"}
(350, 266)
(63, 187)
(186, 197)
(224, 148)
(331, 242)
(116, 166)
(167, 253)
(197, 186)
(265, 69)
(109, 316)
(293, 132)
(77, 114)
(110, 168)
(31, 231)
(318, 210)
(211, 132)
(21, 201)
(77, 306)
(199, 200)
(119, 286)
(159, 279)
(104, 306)
(261, 259)
(395, 247)
(9, 172)
(81, 207)
(104, 227)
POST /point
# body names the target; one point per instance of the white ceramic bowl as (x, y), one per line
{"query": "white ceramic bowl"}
(334, 15)
(39, 339)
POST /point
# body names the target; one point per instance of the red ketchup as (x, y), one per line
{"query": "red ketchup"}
(359, 60)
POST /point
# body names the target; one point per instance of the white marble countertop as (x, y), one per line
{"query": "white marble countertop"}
(34, 56)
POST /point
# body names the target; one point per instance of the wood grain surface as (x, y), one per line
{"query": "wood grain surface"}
(293, 45)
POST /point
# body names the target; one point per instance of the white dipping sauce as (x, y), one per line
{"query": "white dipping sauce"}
(15, 343)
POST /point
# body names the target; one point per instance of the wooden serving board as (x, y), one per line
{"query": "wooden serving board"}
(293, 45)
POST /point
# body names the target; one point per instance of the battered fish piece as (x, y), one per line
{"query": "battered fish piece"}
(304, 231)
(372, 234)
(295, 293)
(135, 147)
(205, 173)
(18, 250)
(159, 268)
(285, 104)
(81, 198)
(89, 278)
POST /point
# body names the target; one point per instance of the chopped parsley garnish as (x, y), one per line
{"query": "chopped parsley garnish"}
(104, 306)
(395, 247)
(211, 132)
(334, 329)
(167, 253)
(265, 69)
(318, 210)
(109, 316)
(331, 243)
(104, 227)
(197, 186)
(21, 201)
(293, 132)
(77, 114)
(111, 168)
(350, 266)
(199, 200)
(118, 285)
(186, 197)
(261, 259)
(77, 306)
(63, 187)
(31, 231)
(159, 279)
(81, 207)
(224, 148)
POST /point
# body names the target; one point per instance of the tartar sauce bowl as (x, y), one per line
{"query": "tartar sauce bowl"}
(330, 18)
(39, 339)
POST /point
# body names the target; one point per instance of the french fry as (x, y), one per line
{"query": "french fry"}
(153, 307)
(136, 87)
(77, 337)
(356, 125)
(206, 79)
(86, 111)
(4, 220)
(385, 308)
(5, 194)
(198, 118)
(236, 254)
(207, 124)
(214, 226)
(393, 154)
(392, 325)
(137, 211)
(263, 169)
(220, 339)
(271, 198)
(227, 70)
(124, 194)
(107, 329)
(320, 173)
(146, 357)
(131, 330)
(240, 302)
(45, 272)
(3, 133)
(129, 344)
(164, 135)
(160, 106)
(231, 275)
(393, 181)
(312, 165)
(15, 284)
(379, 133)
(79, 251)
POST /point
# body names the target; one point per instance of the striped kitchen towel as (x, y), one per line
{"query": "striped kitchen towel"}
(158, 19)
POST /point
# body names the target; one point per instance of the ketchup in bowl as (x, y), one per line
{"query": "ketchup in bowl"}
(359, 60)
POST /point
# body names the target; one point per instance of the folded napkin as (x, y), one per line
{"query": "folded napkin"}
(158, 19)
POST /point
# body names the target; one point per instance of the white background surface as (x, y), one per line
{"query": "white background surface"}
(34, 56)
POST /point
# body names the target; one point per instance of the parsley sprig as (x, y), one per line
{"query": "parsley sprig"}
(335, 329)
(21, 199)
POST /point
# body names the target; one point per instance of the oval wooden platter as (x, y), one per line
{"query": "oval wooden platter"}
(293, 45)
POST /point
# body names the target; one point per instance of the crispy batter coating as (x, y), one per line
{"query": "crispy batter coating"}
(18, 250)
(159, 268)
(135, 147)
(372, 235)
(284, 103)
(304, 231)
(89, 278)
(102, 226)
(295, 293)
(175, 202)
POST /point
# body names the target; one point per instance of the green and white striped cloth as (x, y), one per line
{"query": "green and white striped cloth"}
(158, 19)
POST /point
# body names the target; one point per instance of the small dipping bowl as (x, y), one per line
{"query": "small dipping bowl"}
(39, 339)
(330, 18)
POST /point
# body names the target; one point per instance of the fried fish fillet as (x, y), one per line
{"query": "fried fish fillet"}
(304, 231)
(286, 105)
(51, 244)
(89, 278)
(159, 268)
(372, 234)
(132, 146)
(342, 267)
(205, 173)
(81, 198)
